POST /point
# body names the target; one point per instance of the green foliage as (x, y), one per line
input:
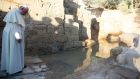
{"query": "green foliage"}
(112, 4)
(95, 3)
(127, 2)
(123, 6)
(109, 4)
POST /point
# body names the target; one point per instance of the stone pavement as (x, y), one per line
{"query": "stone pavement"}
(36, 69)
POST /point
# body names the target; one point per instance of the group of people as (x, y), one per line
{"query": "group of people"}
(12, 54)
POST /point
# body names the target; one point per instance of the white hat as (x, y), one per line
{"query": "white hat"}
(24, 5)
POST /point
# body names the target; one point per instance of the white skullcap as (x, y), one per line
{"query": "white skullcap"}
(24, 5)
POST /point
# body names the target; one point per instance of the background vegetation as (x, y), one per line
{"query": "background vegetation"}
(112, 4)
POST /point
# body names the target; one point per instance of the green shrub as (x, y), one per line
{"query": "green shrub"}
(123, 6)
(112, 4)
(109, 4)
(95, 3)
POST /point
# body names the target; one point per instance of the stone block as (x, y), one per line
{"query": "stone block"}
(129, 58)
(68, 45)
(27, 70)
(104, 49)
(128, 38)
(112, 38)
(73, 38)
(78, 43)
(69, 18)
(116, 51)
(32, 60)
(89, 43)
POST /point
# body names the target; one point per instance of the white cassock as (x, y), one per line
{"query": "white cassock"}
(12, 58)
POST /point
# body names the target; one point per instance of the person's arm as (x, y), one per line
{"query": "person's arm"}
(18, 36)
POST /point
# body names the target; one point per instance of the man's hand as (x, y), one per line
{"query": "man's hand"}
(18, 37)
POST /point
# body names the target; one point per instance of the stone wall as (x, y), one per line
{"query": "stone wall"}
(48, 28)
(43, 24)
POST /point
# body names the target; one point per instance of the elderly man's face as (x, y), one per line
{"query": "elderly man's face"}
(23, 10)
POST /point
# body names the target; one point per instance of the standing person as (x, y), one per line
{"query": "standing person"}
(12, 58)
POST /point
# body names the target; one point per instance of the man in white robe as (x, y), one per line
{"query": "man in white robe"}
(12, 56)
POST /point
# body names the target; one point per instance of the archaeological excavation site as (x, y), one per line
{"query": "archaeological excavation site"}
(70, 39)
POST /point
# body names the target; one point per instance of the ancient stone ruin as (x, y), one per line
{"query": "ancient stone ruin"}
(56, 25)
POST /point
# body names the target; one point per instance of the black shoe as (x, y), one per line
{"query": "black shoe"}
(25, 66)
(19, 72)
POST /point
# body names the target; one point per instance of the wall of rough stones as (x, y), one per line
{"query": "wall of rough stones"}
(48, 27)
